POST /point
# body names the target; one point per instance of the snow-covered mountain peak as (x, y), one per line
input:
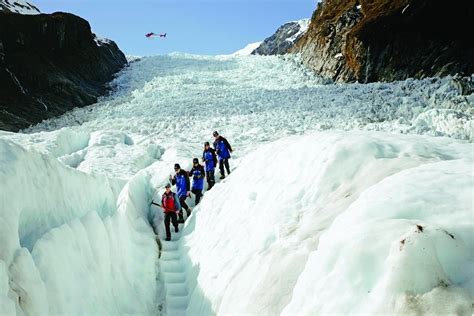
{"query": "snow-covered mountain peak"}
(18, 6)
(283, 39)
(303, 27)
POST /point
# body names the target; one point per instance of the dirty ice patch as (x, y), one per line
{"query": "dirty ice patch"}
(405, 246)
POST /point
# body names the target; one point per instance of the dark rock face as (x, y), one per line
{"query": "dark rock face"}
(386, 40)
(282, 40)
(50, 64)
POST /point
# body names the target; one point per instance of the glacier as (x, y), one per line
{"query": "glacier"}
(344, 198)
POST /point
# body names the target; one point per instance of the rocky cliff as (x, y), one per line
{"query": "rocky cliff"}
(49, 64)
(385, 40)
(283, 39)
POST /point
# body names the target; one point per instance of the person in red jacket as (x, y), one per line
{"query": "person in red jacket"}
(170, 204)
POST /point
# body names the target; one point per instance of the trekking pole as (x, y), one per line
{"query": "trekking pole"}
(153, 203)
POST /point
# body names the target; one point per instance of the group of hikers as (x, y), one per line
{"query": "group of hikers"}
(173, 203)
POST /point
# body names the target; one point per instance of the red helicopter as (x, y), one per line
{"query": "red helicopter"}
(151, 34)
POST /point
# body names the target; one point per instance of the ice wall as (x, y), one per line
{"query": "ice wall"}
(69, 243)
(327, 223)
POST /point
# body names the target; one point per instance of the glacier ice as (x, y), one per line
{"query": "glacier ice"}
(319, 215)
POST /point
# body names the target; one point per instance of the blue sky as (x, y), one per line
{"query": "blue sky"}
(200, 27)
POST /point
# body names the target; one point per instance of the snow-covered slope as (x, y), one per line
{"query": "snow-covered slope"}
(18, 6)
(328, 224)
(303, 27)
(283, 39)
(247, 50)
(75, 193)
(260, 98)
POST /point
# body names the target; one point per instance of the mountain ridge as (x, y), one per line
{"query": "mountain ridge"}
(283, 39)
(382, 40)
(49, 64)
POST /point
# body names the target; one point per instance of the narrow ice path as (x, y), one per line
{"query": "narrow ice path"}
(174, 271)
(175, 264)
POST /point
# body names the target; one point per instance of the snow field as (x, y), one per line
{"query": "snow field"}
(257, 99)
(314, 224)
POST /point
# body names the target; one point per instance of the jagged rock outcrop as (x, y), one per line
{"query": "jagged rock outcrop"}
(283, 39)
(49, 64)
(386, 40)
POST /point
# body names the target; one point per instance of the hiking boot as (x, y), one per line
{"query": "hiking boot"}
(168, 238)
(188, 212)
(176, 229)
(222, 177)
(181, 221)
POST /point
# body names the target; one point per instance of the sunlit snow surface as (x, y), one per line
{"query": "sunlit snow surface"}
(247, 50)
(265, 97)
(319, 216)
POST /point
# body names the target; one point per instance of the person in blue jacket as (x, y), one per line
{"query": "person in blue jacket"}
(223, 151)
(210, 159)
(198, 174)
(181, 179)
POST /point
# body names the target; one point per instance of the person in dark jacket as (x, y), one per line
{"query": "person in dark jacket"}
(198, 174)
(170, 204)
(181, 179)
(223, 151)
(210, 159)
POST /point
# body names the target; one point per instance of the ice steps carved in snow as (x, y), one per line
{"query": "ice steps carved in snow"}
(175, 277)
(170, 255)
(170, 246)
(174, 271)
(176, 312)
(172, 266)
(177, 289)
(177, 302)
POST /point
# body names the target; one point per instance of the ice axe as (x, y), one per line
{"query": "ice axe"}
(153, 203)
